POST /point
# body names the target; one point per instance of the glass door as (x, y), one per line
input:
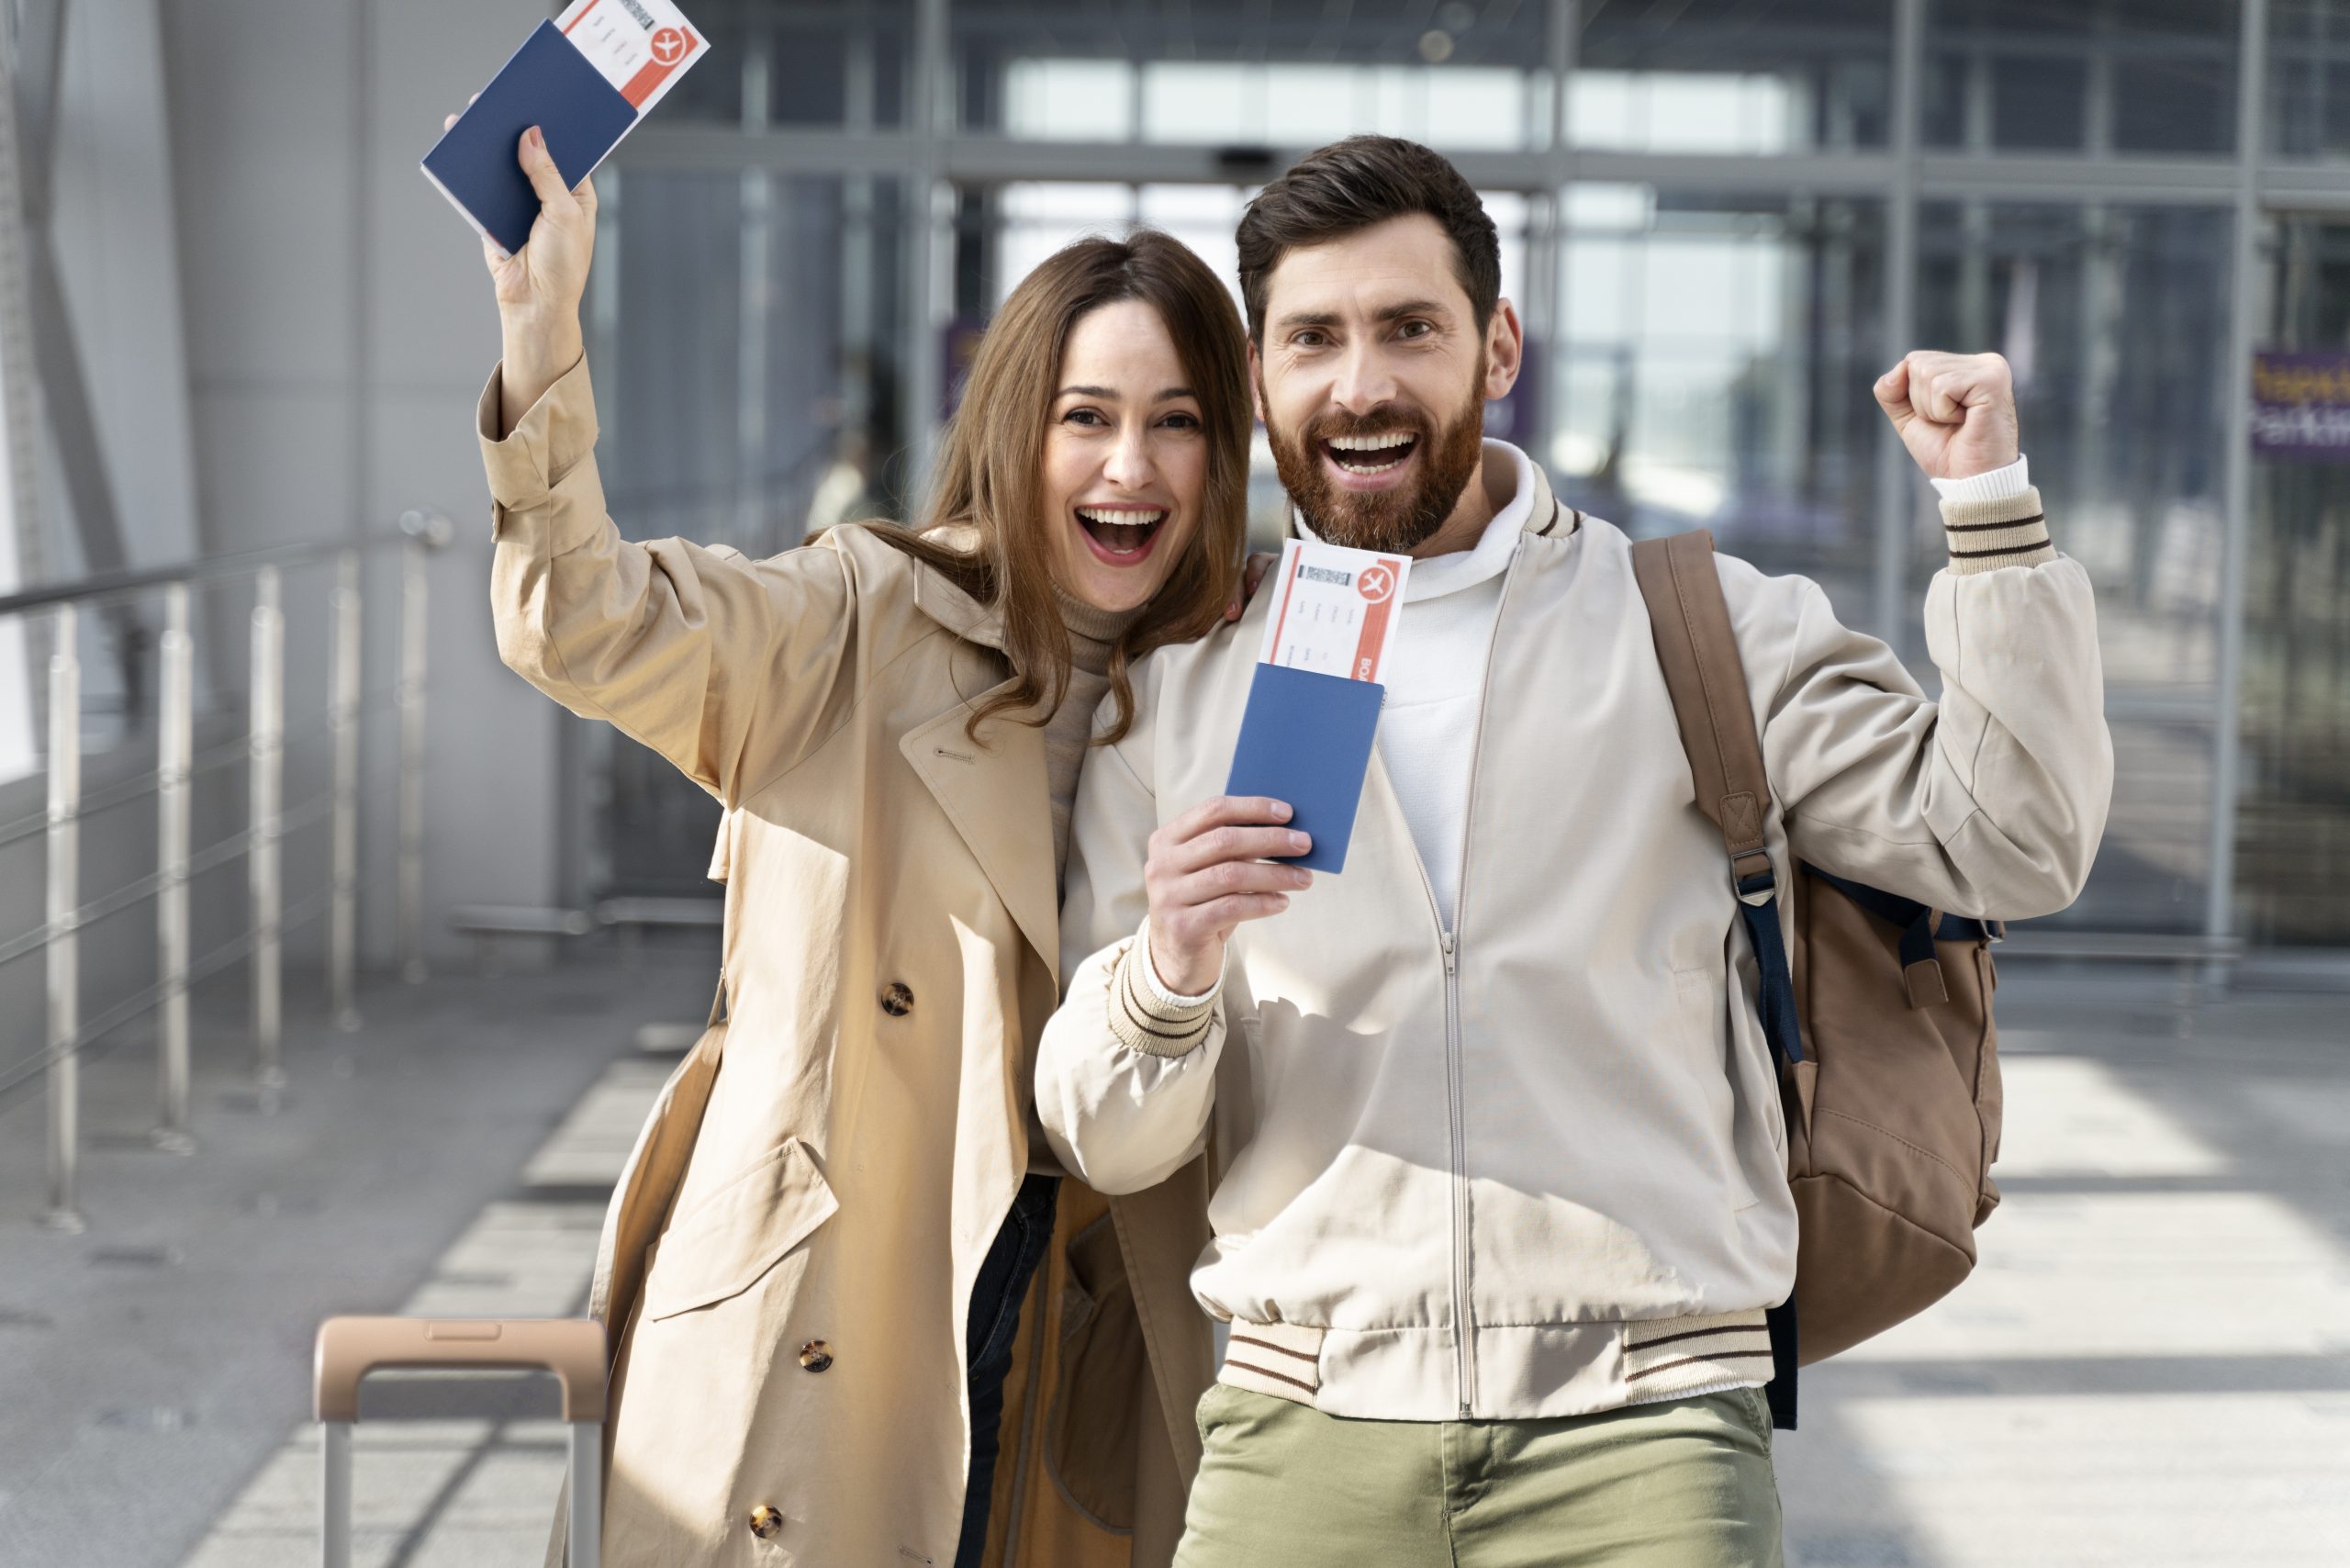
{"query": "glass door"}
(2293, 814)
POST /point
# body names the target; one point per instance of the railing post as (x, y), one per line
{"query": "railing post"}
(408, 700)
(342, 721)
(267, 744)
(174, 744)
(64, 897)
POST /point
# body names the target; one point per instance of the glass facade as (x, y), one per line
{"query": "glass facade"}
(2293, 816)
(1235, 72)
(1726, 76)
(844, 66)
(1716, 244)
(2098, 76)
(2308, 96)
(1712, 370)
(2114, 322)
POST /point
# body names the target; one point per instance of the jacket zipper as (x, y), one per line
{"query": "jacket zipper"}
(1448, 943)
(1464, 1365)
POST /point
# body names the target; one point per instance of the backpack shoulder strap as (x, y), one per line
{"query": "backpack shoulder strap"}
(1690, 620)
(1698, 652)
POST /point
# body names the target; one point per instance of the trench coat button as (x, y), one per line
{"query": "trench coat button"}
(896, 1000)
(766, 1523)
(815, 1355)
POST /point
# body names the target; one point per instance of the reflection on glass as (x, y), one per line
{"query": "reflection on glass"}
(745, 330)
(2081, 75)
(1226, 72)
(1715, 358)
(2114, 322)
(2293, 822)
(745, 327)
(1728, 76)
(2309, 78)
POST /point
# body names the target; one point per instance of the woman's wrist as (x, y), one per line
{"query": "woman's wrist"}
(538, 352)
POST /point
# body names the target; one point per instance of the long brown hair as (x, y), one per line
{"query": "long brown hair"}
(988, 484)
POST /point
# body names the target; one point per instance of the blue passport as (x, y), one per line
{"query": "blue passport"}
(1305, 738)
(549, 83)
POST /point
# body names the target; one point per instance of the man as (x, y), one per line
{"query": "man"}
(1501, 1195)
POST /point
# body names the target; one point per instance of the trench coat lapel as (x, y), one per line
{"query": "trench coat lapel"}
(996, 793)
(995, 790)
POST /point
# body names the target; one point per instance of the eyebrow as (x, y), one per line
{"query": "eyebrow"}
(1384, 313)
(1111, 393)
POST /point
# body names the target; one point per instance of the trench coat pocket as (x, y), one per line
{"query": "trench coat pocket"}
(1090, 1437)
(722, 1245)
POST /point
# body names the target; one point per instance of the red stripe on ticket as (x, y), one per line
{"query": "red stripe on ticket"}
(1377, 585)
(671, 46)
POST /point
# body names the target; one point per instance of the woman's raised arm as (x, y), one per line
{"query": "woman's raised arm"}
(727, 666)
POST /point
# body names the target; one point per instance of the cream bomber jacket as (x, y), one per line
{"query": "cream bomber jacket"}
(1534, 1165)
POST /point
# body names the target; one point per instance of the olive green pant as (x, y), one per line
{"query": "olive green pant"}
(1681, 1484)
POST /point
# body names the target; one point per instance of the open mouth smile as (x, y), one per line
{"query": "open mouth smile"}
(1121, 536)
(1369, 456)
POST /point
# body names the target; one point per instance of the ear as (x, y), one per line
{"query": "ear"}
(1505, 351)
(1255, 382)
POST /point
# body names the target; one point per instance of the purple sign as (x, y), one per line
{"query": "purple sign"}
(2300, 406)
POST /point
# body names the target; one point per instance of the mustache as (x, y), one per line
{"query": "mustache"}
(1338, 422)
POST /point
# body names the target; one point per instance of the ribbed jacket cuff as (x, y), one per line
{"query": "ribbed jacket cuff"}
(1141, 1018)
(1986, 535)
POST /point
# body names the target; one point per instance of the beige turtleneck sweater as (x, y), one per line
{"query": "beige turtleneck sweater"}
(1091, 634)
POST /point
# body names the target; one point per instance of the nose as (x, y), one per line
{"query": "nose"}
(1364, 381)
(1130, 466)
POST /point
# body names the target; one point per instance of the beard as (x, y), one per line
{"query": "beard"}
(1395, 520)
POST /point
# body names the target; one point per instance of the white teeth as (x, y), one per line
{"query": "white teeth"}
(1367, 443)
(1125, 519)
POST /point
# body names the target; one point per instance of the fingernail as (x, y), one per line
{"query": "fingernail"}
(1281, 811)
(1303, 879)
(538, 138)
(1300, 842)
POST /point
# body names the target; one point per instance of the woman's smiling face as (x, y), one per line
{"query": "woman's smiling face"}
(1125, 458)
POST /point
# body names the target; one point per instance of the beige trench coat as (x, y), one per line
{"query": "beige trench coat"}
(829, 1166)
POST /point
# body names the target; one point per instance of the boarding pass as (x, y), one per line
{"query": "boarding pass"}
(642, 47)
(1334, 610)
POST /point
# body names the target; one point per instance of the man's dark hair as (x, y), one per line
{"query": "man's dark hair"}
(1352, 185)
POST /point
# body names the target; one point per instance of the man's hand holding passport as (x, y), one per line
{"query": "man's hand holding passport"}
(1313, 709)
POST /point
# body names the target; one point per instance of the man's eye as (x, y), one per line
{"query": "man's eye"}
(1308, 340)
(1414, 330)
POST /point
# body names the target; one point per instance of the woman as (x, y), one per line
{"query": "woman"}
(814, 1263)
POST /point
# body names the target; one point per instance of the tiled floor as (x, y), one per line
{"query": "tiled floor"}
(2151, 1368)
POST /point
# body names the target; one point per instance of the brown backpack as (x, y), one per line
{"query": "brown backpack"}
(1880, 1018)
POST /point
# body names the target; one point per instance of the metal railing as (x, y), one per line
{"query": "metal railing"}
(263, 749)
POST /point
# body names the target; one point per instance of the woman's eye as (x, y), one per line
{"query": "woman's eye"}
(1182, 422)
(1083, 417)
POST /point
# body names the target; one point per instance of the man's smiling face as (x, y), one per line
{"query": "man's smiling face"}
(1372, 379)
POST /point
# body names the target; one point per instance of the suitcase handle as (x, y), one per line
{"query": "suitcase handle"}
(351, 1347)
